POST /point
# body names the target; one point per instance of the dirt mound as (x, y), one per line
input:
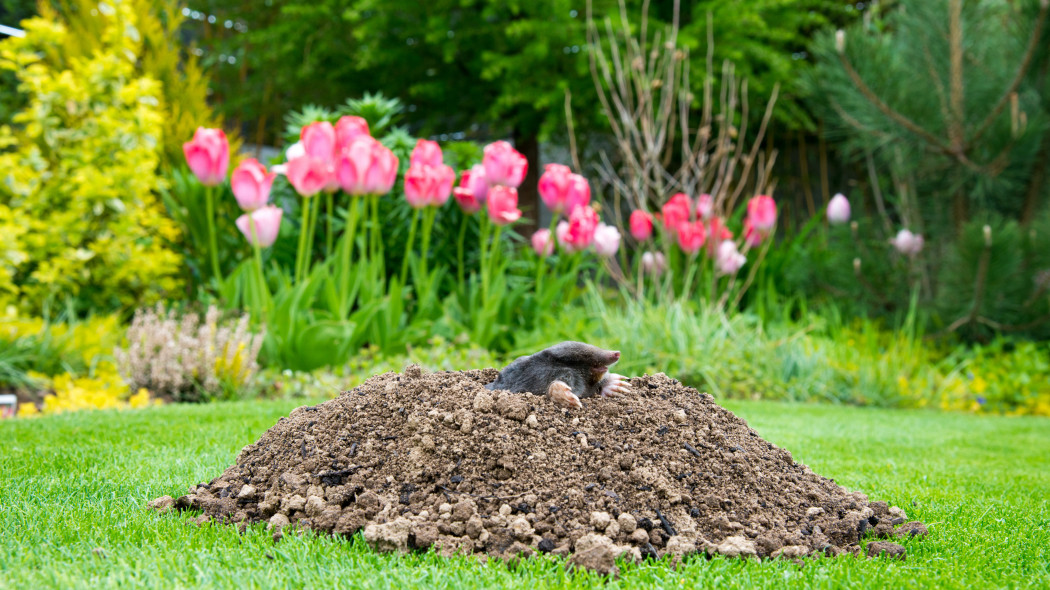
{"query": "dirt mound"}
(415, 460)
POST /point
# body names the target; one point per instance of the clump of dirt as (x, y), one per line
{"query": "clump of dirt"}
(416, 460)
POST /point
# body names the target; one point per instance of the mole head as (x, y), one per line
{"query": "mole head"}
(584, 356)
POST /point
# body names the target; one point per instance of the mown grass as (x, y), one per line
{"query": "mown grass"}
(73, 490)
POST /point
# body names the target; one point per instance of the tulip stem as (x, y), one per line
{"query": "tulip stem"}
(484, 260)
(347, 250)
(315, 213)
(459, 247)
(209, 205)
(328, 235)
(303, 231)
(429, 215)
(408, 245)
(542, 266)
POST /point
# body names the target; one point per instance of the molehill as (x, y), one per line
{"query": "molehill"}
(419, 460)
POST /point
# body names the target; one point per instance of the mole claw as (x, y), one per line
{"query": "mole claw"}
(615, 386)
(562, 395)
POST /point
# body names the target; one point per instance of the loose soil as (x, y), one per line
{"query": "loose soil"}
(419, 460)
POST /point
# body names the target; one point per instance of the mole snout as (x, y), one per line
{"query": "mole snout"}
(614, 355)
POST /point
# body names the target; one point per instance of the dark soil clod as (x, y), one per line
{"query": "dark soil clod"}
(524, 485)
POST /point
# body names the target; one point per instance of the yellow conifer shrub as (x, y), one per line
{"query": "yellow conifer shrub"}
(79, 181)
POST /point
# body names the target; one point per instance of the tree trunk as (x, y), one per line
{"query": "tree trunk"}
(528, 144)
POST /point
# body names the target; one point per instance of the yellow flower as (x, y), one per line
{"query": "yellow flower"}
(27, 409)
(979, 385)
(140, 399)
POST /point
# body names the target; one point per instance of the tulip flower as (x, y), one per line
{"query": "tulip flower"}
(907, 243)
(676, 212)
(752, 236)
(762, 212)
(294, 151)
(426, 152)
(654, 263)
(347, 129)
(208, 155)
(367, 167)
(838, 209)
(705, 206)
(728, 260)
(576, 234)
(308, 175)
(266, 222)
(718, 233)
(641, 225)
(251, 184)
(561, 190)
(318, 141)
(606, 240)
(472, 190)
(691, 236)
(427, 185)
(502, 204)
(504, 165)
(542, 242)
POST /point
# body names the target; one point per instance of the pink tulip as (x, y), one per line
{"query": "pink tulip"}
(691, 236)
(705, 206)
(504, 165)
(676, 212)
(542, 242)
(308, 175)
(477, 182)
(502, 204)
(641, 225)
(907, 243)
(718, 232)
(428, 185)
(654, 263)
(318, 140)
(729, 259)
(426, 152)
(347, 129)
(208, 155)
(838, 209)
(752, 236)
(576, 234)
(366, 167)
(465, 195)
(762, 212)
(251, 184)
(266, 222)
(606, 240)
(563, 191)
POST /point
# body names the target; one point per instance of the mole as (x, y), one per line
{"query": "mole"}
(565, 373)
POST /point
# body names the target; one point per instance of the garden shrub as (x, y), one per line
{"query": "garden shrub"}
(185, 360)
(78, 187)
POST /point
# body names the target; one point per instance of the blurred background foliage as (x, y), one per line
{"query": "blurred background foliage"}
(930, 115)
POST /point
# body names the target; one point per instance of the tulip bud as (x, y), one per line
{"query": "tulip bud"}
(426, 152)
(308, 175)
(578, 232)
(762, 212)
(907, 243)
(542, 242)
(428, 185)
(502, 205)
(654, 263)
(606, 240)
(260, 227)
(838, 209)
(318, 140)
(705, 206)
(987, 236)
(691, 236)
(347, 129)
(251, 184)
(504, 164)
(676, 211)
(840, 41)
(366, 167)
(641, 225)
(208, 155)
(728, 259)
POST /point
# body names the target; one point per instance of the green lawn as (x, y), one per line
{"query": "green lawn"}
(76, 483)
